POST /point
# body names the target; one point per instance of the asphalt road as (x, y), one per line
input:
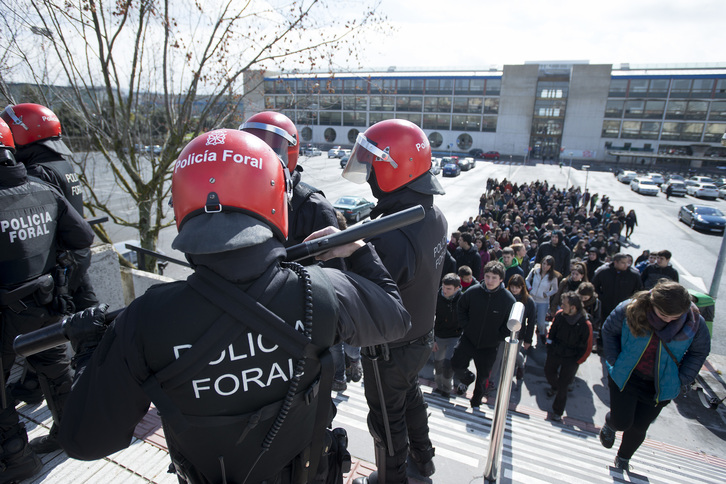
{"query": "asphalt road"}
(694, 253)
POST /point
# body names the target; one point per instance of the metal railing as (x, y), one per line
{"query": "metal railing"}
(496, 436)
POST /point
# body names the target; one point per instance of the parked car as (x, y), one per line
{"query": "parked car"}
(310, 151)
(676, 178)
(491, 155)
(435, 166)
(657, 178)
(703, 190)
(477, 153)
(467, 164)
(702, 217)
(342, 153)
(644, 186)
(701, 179)
(333, 152)
(722, 191)
(354, 209)
(679, 188)
(344, 161)
(451, 169)
(626, 176)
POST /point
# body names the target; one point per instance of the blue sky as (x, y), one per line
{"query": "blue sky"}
(468, 34)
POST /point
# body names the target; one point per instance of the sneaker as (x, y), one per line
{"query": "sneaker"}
(607, 436)
(356, 370)
(621, 463)
(338, 386)
(461, 389)
(551, 392)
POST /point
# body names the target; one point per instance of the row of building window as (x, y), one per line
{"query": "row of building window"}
(425, 121)
(654, 109)
(417, 104)
(475, 86)
(679, 88)
(463, 142)
(664, 131)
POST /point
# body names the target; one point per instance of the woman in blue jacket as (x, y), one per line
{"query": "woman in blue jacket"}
(655, 345)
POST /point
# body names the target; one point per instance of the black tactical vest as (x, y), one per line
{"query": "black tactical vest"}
(229, 406)
(28, 223)
(298, 227)
(70, 185)
(428, 237)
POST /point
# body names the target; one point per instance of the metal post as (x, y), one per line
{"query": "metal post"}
(716, 281)
(587, 175)
(496, 436)
(568, 173)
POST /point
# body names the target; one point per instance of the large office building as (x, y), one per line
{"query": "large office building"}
(655, 114)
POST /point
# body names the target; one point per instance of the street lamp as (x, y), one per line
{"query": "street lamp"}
(568, 173)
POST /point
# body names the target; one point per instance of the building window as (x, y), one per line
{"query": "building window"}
(634, 109)
(404, 86)
(547, 127)
(461, 105)
(446, 86)
(413, 117)
(376, 117)
(720, 88)
(702, 88)
(494, 86)
(306, 117)
(435, 139)
(269, 102)
(614, 109)
(331, 102)
(654, 109)
(697, 110)
(681, 88)
(476, 86)
(649, 130)
(406, 103)
(671, 131)
(352, 135)
(475, 105)
(718, 111)
(432, 86)
(491, 105)
(330, 118)
(631, 129)
(610, 129)
(638, 87)
(618, 88)
(691, 132)
(417, 86)
(466, 123)
(464, 142)
(658, 88)
(354, 119)
(489, 124)
(676, 110)
(376, 103)
(714, 132)
(436, 121)
(329, 135)
(461, 86)
(306, 133)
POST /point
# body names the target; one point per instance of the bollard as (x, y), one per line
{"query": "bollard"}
(509, 359)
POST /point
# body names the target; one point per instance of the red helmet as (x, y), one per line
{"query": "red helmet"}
(6, 136)
(229, 190)
(278, 131)
(31, 122)
(398, 152)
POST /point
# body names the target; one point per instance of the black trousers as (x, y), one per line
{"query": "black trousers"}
(632, 411)
(483, 358)
(52, 363)
(405, 405)
(560, 372)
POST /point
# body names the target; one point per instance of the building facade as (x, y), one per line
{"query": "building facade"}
(536, 110)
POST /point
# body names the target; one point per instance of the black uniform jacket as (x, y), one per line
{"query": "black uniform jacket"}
(36, 220)
(107, 401)
(414, 256)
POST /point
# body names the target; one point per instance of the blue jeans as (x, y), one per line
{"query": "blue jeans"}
(542, 309)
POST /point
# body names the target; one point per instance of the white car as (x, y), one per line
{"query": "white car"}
(644, 186)
(657, 178)
(701, 179)
(627, 176)
(703, 190)
(333, 152)
(722, 191)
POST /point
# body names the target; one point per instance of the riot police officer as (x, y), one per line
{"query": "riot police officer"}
(234, 358)
(37, 134)
(308, 210)
(394, 157)
(35, 222)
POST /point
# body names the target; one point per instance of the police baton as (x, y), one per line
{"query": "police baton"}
(45, 338)
(364, 231)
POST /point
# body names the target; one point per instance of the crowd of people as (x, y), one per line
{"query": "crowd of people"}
(560, 252)
(181, 345)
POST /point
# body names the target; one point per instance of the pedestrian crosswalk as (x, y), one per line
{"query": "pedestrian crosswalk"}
(535, 450)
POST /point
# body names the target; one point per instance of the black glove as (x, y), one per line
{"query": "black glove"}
(85, 329)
